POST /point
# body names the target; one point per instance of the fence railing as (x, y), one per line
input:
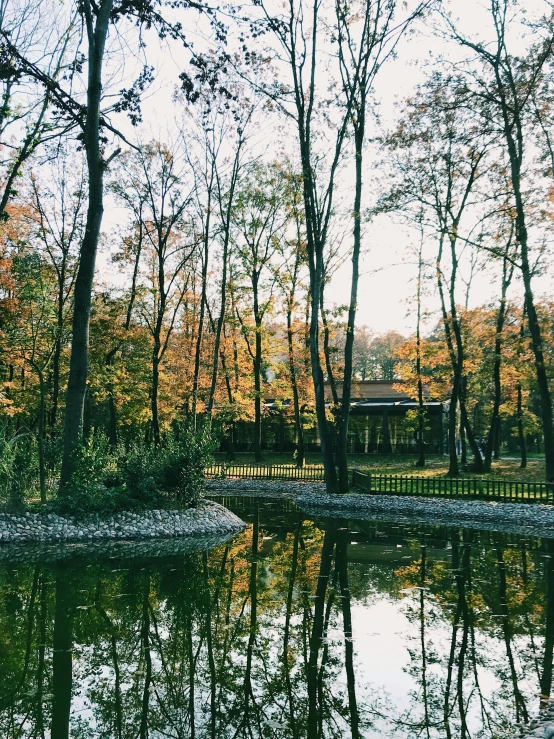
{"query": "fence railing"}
(314, 473)
(484, 489)
(447, 487)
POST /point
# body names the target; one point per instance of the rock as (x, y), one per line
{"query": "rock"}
(146, 525)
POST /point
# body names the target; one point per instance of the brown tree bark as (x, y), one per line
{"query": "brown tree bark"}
(97, 31)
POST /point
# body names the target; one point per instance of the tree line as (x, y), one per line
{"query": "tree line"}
(222, 236)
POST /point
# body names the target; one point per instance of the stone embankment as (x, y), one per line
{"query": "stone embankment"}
(208, 519)
(519, 518)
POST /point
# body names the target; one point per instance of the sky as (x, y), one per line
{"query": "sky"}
(386, 288)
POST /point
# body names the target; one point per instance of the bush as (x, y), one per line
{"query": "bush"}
(18, 469)
(171, 474)
(139, 478)
(91, 488)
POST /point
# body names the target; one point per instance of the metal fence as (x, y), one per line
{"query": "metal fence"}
(266, 472)
(484, 489)
(446, 487)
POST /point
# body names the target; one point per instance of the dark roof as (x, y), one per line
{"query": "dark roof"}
(374, 390)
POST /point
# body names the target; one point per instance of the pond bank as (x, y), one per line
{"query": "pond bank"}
(208, 519)
(520, 518)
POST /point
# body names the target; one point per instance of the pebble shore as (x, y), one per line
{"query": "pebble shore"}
(519, 518)
(208, 519)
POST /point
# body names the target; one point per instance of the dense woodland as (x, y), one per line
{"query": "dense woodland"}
(157, 288)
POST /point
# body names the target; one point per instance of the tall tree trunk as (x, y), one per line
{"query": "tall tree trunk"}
(463, 441)
(110, 356)
(420, 400)
(300, 451)
(513, 131)
(258, 394)
(315, 262)
(453, 467)
(344, 413)
(300, 446)
(78, 363)
(454, 342)
(494, 428)
(56, 359)
(41, 439)
(203, 301)
(521, 429)
(154, 391)
(226, 218)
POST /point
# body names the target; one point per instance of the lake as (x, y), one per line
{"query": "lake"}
(295, 628)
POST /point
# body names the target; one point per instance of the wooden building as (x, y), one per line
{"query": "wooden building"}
(382, 420)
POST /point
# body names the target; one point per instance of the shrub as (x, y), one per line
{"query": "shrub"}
(140, 477)
(18, 468)
(172, 473)
(91, 488)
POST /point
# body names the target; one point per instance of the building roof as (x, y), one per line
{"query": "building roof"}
(376, 391)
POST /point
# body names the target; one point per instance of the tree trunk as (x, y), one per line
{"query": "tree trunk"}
(203, 300)
(258, 394)
(315, 262)
(453, 468)
(110, 356)
(344, 412)
(154, 392)
(300, 452)
(226, 217)
(513, 125)
(78, 363)
(420, 401)
(494, 429)
(520, 429)
(41, 435)
(55, 381)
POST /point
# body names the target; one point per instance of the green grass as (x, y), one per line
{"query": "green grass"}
(400, 464)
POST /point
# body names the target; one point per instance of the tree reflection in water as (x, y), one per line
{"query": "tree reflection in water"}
(274, 634)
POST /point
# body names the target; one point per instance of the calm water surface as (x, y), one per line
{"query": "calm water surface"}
(295, 628)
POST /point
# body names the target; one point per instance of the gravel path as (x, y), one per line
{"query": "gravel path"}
(519, 518)
(208, 519)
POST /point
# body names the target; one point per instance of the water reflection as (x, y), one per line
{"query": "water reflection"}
(295, 628)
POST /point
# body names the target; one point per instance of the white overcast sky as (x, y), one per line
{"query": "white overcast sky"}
(386, 282)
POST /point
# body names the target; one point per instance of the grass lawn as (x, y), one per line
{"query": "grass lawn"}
(400, 464)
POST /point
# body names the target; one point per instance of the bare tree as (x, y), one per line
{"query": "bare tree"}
(500, 85)
(153, 184)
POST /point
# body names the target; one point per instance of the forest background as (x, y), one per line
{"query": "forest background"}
(203, 207)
